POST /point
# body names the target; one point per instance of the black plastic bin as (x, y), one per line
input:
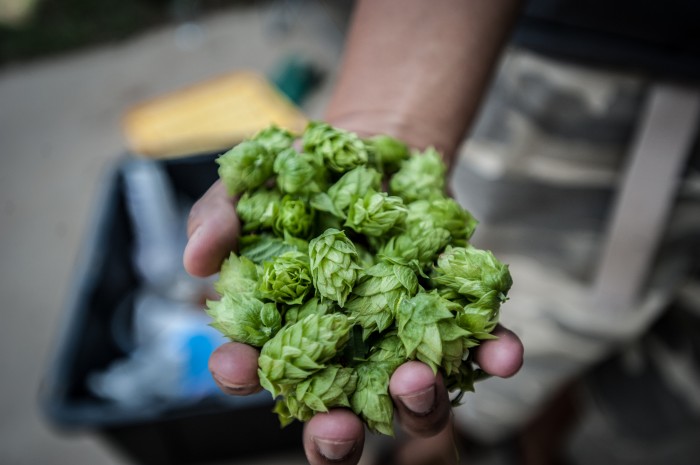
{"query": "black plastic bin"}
(215, 428)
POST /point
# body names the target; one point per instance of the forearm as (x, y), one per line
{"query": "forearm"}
(417, 69)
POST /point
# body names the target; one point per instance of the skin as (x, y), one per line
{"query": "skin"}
(417, 73)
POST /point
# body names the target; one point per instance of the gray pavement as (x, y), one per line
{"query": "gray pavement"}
(60, 129)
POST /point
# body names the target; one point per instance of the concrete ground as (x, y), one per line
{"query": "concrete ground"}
(59, 131)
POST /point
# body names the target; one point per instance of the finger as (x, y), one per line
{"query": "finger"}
(234, 367)
(501, 357)
(421, 400)
(212, 229)
(336, 437)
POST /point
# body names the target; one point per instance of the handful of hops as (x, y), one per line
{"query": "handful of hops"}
(339, 282)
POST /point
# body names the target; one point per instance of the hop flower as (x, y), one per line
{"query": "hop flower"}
(417, 246)
(257, 209)
(350, 187)
(313, 306)
(274, 138)
(389, 351)
(334, 265)
(422, 176)
(429, 332)
(472, 274)
(237, 276)
(294, 217)
(376, 213)
(327, 388)
(299, 173)
(244, 318)
(246, 166)
(371, 400)
(377, 294)
(446, 213)
(385, 153)
(342, 150)
(287, 278)
(301, 349)
(481, 317)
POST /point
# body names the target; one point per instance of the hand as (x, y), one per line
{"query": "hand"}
(420, 398)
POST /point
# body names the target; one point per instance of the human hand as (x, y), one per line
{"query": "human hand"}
(421, 401)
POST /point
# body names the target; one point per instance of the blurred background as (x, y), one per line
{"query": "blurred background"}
(104, 104)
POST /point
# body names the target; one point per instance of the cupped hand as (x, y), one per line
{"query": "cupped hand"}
(421, 401)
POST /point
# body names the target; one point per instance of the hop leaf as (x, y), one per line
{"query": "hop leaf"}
(294, 217)
(257, 209)
(376, 296)
(471, 273)
(371, 400)
(274, 138)
(327, 388)
(237, 276)
(342, 150)
(246, 166)
(334, 265)
(446, 213)
(260, 248)
(299, 173)
(421, 176)
(376, 213)
(244, 318)
(429, 332)
(386, 153)
(301, 349)
(287, 279)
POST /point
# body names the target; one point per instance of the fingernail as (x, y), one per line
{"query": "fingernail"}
(332, 449)
(235, 389)
(420, 403)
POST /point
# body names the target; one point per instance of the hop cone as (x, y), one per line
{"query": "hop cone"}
(377, 294)
(389, 351)
(257, 209)
(294, 217)
(301, 349)
(274, 138)
(325, 389)
(446, 213)
(471, 273)
(342, 150)
(371, 400)
(299, 173)
(481, 317)
(246, 166)
(422, 176)
(313, 306)
(287, 278)
(417, 246)
(386, 153)
(429, 332)
(244, 318)
(346, 190)
(376, 213)
(334, 265)
(238, 275)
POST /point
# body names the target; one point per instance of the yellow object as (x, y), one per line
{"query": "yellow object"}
(210, 116)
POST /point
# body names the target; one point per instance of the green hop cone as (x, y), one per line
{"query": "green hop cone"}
(430, 333)
(294, 217)
(376, 213)
(301, 349)
(341, 150)
(388, 350)
(299, 173)
(417, 246)
(345, 191)
(246, 166)
(287, 278)
(325, 389)
(471, 273)
(274, 138)
(244, 318)
(421, 176)
(238, 275)
(446, 213)
(481, 317)
(261, 248)
(371, 400)
(376, 296)
(257, 209)
(313, 306)
(386, 153)
(334, 265)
